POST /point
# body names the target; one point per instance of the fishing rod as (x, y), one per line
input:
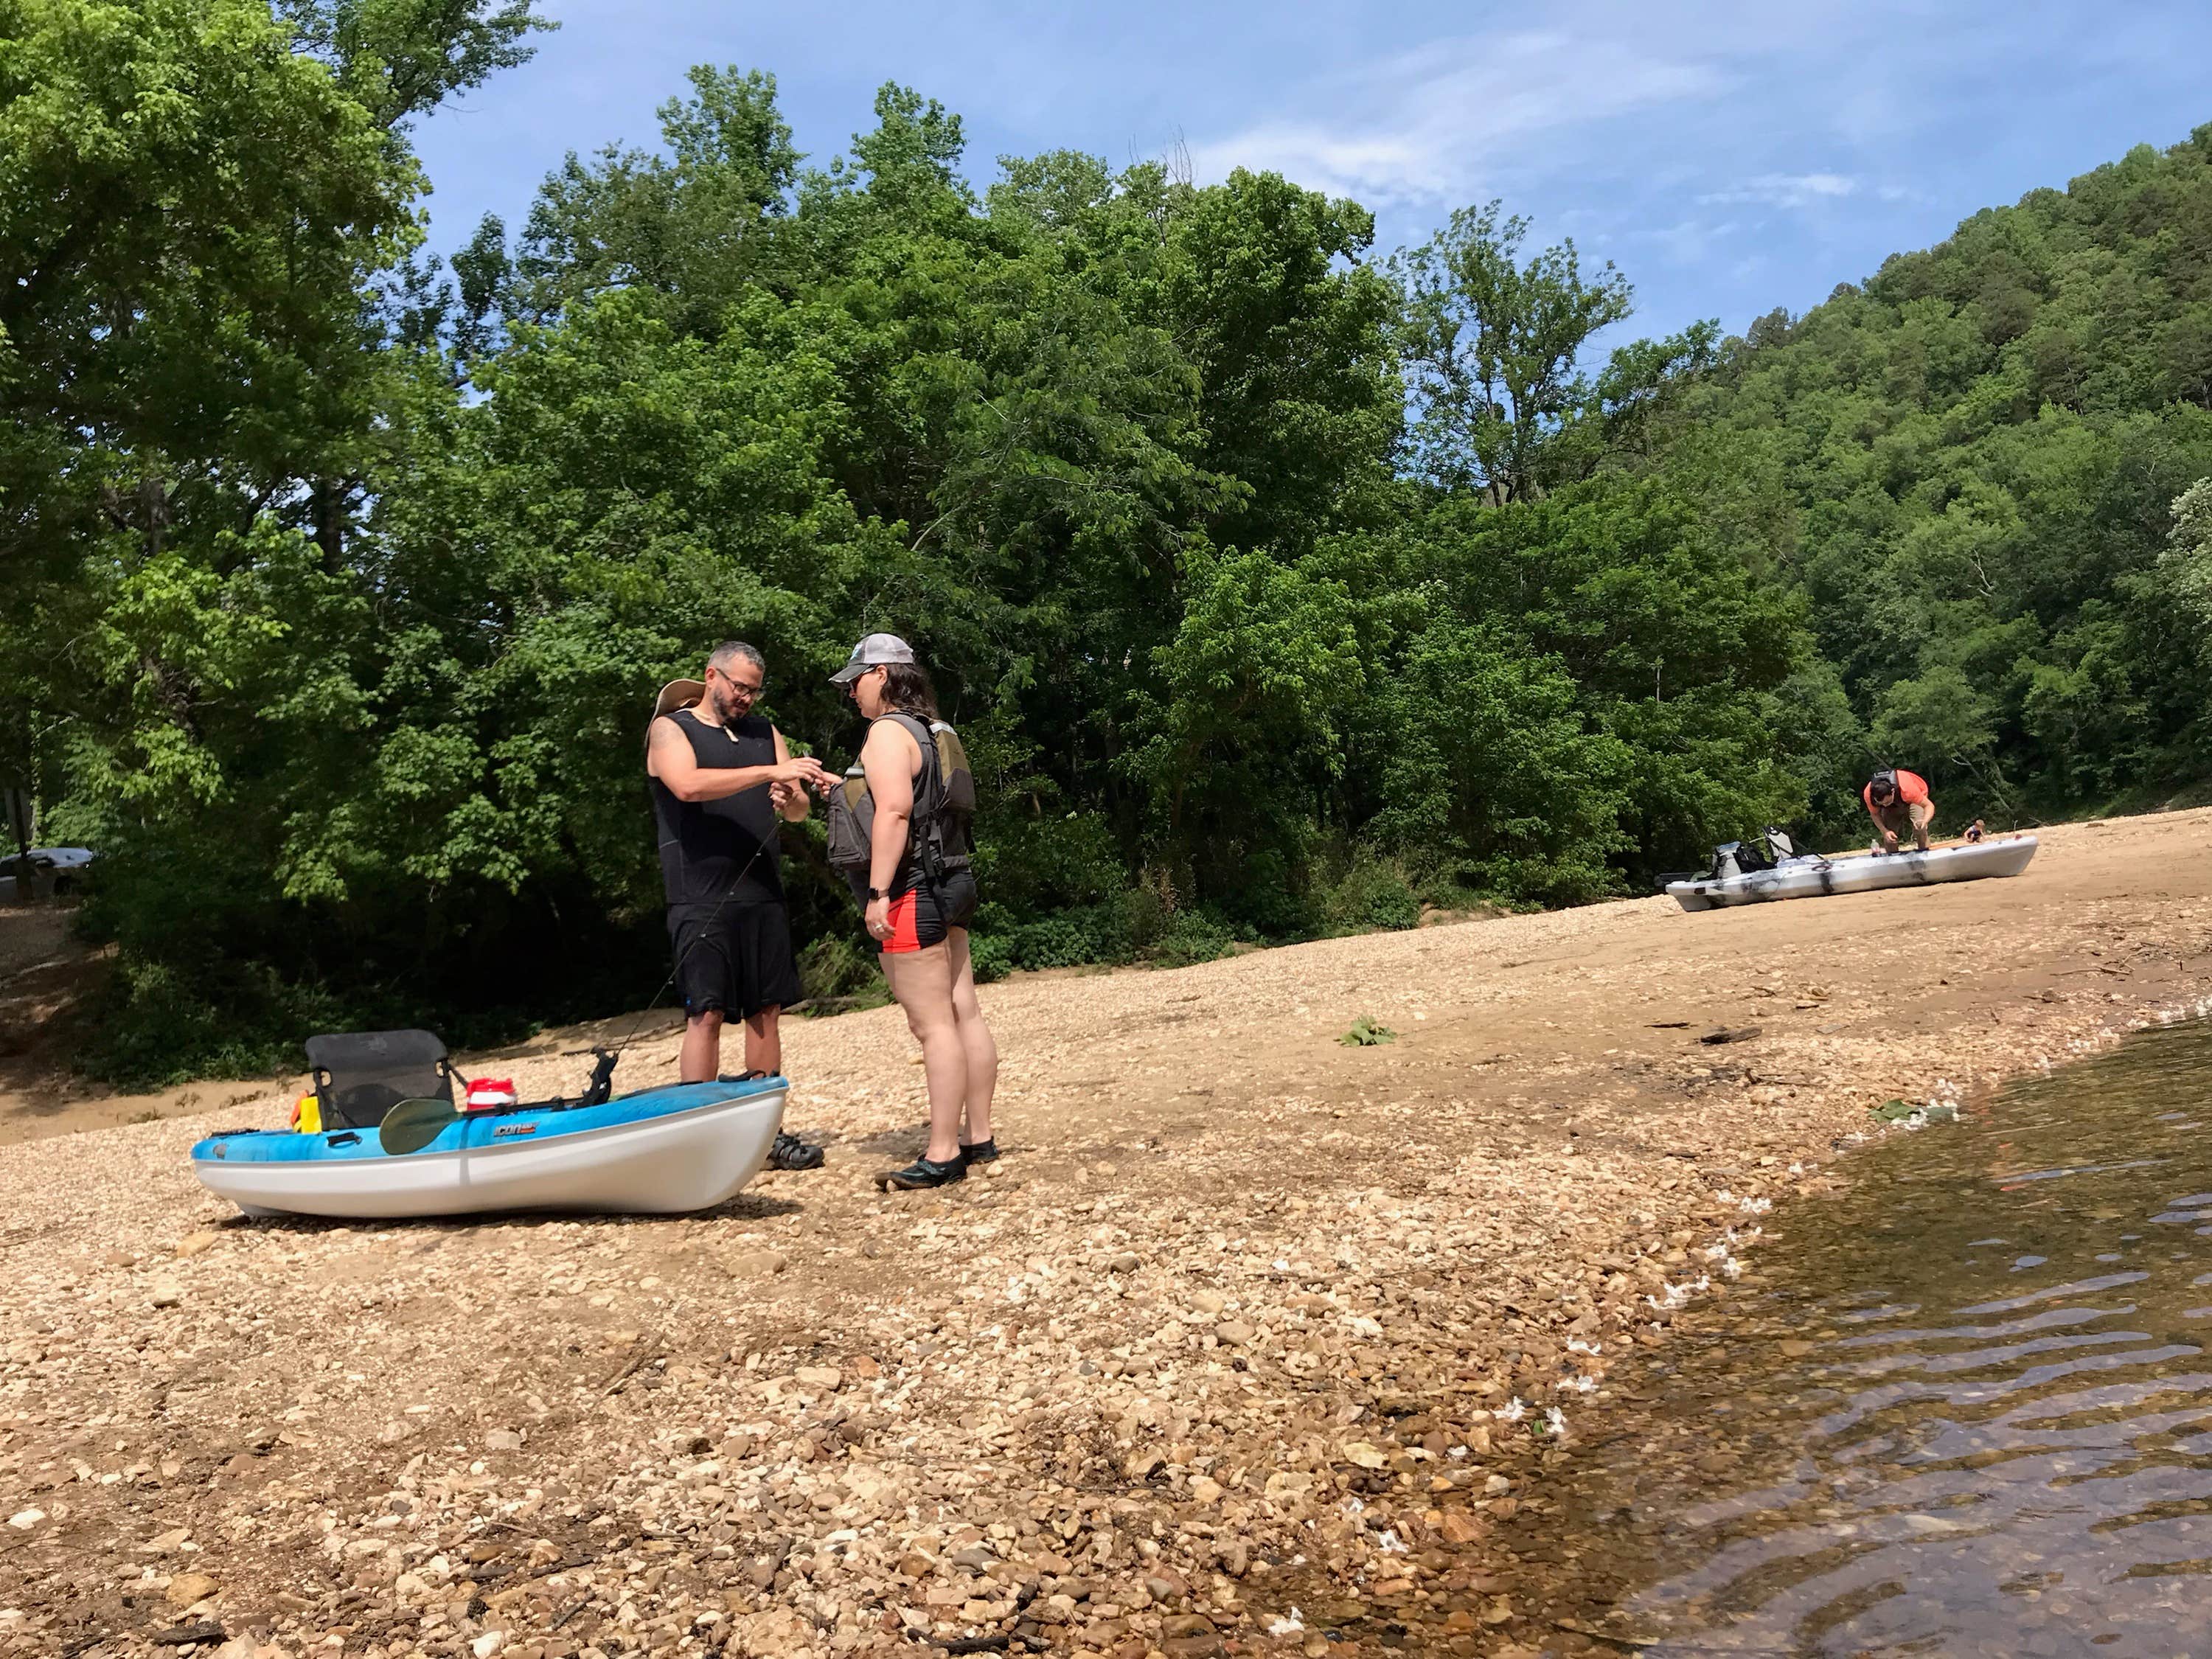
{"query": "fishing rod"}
(597, 1092)
(601, 1086)
(412, 1125)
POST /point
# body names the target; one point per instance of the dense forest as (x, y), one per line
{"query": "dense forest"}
(1279, 585)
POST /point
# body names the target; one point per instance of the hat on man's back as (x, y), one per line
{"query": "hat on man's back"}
(676, 693)
(679, 694)
(873, 651)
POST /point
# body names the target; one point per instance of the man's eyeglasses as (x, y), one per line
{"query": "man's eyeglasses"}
(750, 692)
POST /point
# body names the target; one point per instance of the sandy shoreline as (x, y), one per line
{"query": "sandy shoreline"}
(1116, 1399)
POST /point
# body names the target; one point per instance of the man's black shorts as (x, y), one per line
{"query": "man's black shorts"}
(740, 962)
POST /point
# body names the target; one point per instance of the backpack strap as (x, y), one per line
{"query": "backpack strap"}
(929, 787)
(922, 834)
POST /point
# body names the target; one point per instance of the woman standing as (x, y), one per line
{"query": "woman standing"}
(920, 896)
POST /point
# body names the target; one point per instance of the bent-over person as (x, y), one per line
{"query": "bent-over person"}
(1898, 801)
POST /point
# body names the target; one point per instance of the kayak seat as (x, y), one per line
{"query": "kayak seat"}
(362, 1075)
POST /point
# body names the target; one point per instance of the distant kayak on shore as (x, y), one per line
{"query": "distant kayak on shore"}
(1813, 876)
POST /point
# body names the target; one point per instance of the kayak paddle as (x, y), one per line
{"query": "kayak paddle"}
(414, 1124)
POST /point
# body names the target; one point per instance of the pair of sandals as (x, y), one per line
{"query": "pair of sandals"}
(790, 1152)
(925, 1173)
(787, 1151)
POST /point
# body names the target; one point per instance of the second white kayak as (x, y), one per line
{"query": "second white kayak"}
(1817, 878)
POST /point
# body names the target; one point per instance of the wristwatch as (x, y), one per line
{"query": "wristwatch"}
(878, 893)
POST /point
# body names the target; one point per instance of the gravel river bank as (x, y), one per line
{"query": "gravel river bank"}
(1118, 1398)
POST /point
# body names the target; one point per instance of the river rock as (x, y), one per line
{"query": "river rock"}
(186, 1588)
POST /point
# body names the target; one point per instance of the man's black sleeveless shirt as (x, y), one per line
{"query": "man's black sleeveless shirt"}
(704, 843)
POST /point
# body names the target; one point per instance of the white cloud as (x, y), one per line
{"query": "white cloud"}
(1789, 190)
(1662, 102)
(1435, 122)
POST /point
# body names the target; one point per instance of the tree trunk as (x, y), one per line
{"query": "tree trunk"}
(18, 801)
(330, 495)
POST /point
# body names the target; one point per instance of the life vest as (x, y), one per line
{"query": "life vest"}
(939, 836)
(1905, 789)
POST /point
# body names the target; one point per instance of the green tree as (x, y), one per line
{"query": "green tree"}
(1492, 347)
(689, 226)
(189, 208)
(1490, 773)
(194, 197)
(401, 59)
(2187, 558)
(1631, 648)
(1251, 691)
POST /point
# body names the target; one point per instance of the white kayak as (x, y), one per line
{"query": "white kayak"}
(1815, 876)
(662, 1152)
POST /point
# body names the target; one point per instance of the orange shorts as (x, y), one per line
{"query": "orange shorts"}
(906, 925)
(920, 918)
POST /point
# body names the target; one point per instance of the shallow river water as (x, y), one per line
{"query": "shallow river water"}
(1964, 1408)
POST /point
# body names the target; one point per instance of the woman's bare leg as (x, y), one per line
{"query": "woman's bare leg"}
(976, 1042)
(923, 982)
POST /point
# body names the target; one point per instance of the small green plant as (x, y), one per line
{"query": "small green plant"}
(1073, 939)
(1367, 1033)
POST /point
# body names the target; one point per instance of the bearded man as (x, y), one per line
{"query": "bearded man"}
(721, 775)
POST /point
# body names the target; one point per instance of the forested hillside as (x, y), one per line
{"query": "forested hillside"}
(1968, 467)
(1277, 586)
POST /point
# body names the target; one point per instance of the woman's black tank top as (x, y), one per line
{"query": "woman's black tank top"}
(706, 843)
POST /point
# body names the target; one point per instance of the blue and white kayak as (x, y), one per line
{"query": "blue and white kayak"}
(662, 1151)
(1815, 876)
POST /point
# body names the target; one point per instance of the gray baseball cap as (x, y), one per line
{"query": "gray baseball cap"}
(872, 653)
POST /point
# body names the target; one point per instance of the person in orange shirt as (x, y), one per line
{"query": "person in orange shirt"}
(1898, 800)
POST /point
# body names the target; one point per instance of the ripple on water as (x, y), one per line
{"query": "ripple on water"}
(1942, 1461)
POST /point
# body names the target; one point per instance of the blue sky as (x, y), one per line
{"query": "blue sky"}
(1729, 157)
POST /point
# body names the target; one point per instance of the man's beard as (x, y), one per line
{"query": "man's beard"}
(726, 709)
